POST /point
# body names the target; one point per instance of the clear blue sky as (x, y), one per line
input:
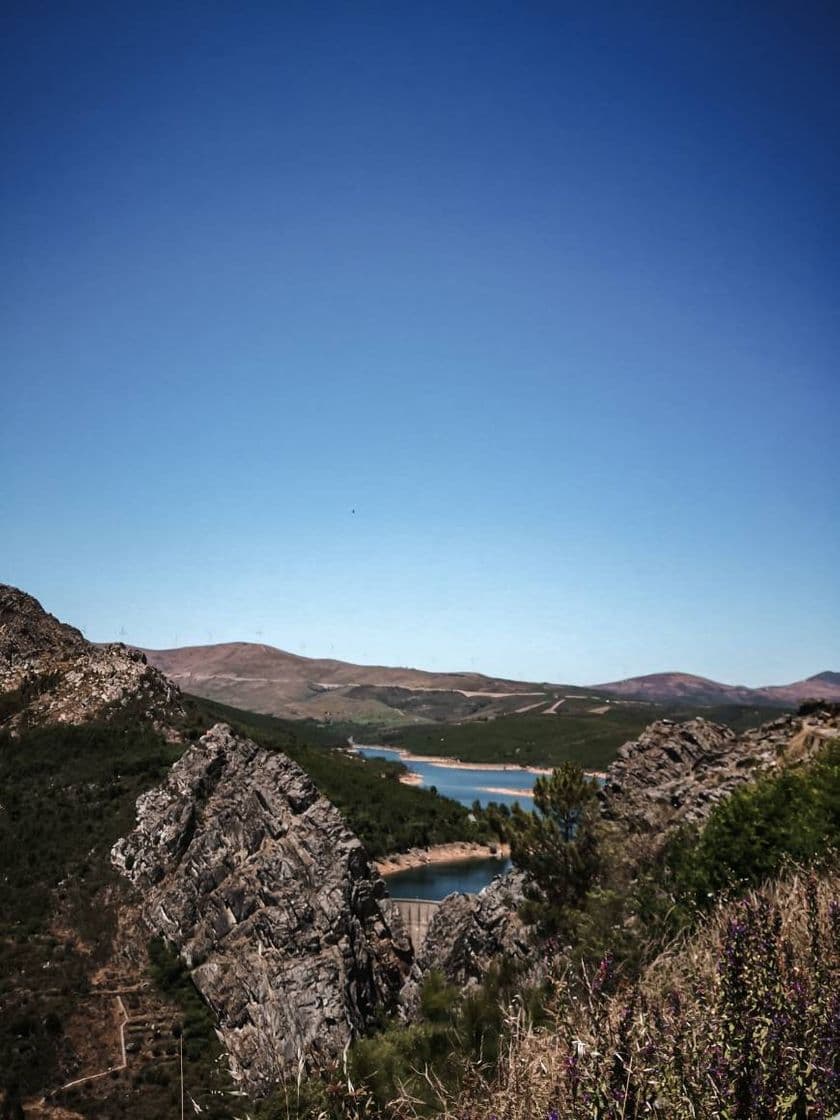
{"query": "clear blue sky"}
(461, 335)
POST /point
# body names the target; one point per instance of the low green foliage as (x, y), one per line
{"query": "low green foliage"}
(457, 1033)
(790, 816)
(172, 977)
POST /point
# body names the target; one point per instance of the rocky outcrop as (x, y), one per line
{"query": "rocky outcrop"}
(271, 902)
(49, 673)
(675, 773)
(468, 934)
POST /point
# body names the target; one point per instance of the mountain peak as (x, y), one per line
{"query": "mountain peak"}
(828, 677)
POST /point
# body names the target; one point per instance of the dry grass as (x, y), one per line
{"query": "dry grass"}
(740, 1022)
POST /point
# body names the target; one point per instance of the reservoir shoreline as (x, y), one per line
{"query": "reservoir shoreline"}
(443, 760)
(457, 764)
(455, 852)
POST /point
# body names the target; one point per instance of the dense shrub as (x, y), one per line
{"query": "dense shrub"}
(792, 815)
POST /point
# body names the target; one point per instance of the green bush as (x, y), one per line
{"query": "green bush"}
(790, 816)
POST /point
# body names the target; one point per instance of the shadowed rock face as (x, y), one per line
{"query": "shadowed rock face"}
(675, 773)
(467, 934)
(271, 902)
(58, 676)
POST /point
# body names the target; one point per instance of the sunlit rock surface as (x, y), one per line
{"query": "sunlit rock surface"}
(271, 902)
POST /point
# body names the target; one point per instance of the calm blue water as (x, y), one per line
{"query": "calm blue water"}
(465, 786)
(436, 881)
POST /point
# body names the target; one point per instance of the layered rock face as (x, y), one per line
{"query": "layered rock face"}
(676, 773)
(271, 902)
(49, 673)
(467, 934)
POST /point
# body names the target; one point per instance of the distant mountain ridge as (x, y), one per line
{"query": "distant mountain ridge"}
(674, 687)
(263, 678)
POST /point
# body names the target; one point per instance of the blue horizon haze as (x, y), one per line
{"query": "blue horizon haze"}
(475, 336)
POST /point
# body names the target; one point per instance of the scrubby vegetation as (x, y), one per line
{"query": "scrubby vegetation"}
(67, 794)
(743, 1022)
(793, 815)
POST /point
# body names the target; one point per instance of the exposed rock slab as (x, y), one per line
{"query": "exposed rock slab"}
(675, 773)
(271, 902)
(57, 676)
(468, 933)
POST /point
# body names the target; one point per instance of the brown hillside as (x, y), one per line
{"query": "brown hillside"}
(265, 679)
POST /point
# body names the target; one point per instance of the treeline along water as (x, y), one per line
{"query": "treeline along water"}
(465, 784)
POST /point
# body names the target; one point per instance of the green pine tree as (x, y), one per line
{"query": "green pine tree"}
(557, 845)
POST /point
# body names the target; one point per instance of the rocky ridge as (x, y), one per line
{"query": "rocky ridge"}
(675, 773)
(272, 903)
(49, 673)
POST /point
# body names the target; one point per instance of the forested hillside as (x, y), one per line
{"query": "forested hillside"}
(388, 815)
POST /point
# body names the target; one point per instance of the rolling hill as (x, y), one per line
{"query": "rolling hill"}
(262, 678)
(672, 688)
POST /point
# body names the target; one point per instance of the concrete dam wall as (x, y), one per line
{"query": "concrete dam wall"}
(416, 914)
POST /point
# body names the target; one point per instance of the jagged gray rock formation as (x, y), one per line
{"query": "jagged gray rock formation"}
(675, 773)
(271, 902)
(469, 933)
(49, 673)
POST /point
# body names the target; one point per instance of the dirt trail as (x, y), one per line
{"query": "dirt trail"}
(529, 707)
(552, 711)
(111, 1069)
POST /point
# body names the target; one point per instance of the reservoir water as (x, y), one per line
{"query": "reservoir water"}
(435, 881)
(464, 784)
